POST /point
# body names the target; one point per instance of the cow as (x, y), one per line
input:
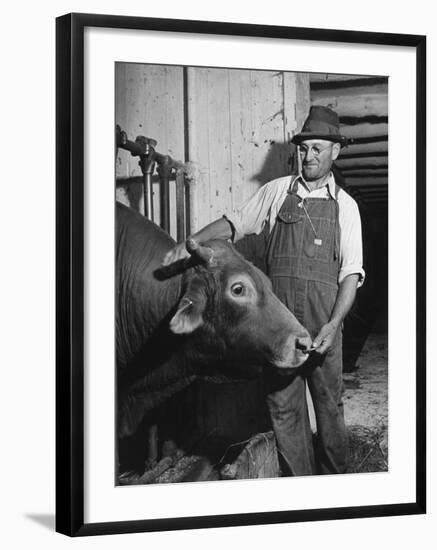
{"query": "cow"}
(213, 312)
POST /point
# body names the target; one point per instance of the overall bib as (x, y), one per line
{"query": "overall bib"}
(303, 264)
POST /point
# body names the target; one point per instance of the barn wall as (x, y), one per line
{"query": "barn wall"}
(148, 102)
(240, 124)
(237, 131)
(362, 105)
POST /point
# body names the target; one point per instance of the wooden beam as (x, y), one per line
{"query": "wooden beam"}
(364, 181)
(364, 173)
(365, 196)
(373, 188)
(370, 119)
(345, 156)
(363, 190)
(375, 199)
(373, 192)
(365, 148)
(370, 186)
(331, 77)
(344, 163)
(372, 167)
(370, 139)
(348, 176)
(364, 130)
(356, 89)
(362, 101)
(347, 82)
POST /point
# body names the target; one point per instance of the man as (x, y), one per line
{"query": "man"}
(314, 260)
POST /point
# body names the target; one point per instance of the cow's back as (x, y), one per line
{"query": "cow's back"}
(142, 300)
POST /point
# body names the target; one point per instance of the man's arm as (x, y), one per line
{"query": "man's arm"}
(345, 298)
(250, 218)
(218, 229)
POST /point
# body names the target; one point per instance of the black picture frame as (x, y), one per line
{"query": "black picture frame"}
(70, 273)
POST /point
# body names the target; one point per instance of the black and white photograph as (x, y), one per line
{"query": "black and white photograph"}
(218, 275)
(251, 273)
(240, 261)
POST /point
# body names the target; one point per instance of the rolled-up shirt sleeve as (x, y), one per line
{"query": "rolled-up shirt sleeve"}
(351, 244)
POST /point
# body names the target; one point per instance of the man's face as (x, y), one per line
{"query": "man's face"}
(317, 156)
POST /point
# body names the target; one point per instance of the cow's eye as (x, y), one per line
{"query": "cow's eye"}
(238, 289)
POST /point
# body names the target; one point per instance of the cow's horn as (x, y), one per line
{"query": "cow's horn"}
(205, 253)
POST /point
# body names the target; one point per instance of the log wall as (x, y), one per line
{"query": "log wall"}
(362, 105)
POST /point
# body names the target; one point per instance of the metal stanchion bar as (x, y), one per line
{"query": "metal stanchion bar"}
(180, 206)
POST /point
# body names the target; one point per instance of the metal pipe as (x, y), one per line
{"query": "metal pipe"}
(180, 206)
(144, 148)
(147, 164)
(164, 171)
(188, 207)
(148, 196)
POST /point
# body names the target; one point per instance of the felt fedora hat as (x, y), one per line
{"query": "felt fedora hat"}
(321, 123)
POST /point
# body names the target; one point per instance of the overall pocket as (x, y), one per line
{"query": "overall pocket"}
(288, 235)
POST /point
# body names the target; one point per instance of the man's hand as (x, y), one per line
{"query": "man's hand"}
(323, 341)
(218, 229)
(178, 252)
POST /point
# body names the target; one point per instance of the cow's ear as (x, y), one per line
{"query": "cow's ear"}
(188, 316)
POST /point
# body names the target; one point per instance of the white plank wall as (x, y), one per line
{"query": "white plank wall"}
(239, 126)
(149, 102)
(241, 149)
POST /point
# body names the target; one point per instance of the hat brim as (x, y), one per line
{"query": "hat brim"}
(297, 139)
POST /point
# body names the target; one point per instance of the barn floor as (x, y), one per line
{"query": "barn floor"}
(366, 404)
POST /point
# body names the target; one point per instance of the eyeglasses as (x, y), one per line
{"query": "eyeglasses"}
(316, 149)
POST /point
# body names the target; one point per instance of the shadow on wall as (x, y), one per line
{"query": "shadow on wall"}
(280, 161)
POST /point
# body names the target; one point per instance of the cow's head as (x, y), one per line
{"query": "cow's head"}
(229, 308)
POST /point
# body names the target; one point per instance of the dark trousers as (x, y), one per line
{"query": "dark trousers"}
(287, 402)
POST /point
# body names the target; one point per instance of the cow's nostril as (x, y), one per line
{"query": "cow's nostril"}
(303, 343)
(302, 346)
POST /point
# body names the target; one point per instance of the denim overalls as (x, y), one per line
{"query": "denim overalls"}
(303, 264)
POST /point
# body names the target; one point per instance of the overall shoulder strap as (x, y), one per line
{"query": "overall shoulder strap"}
(293, 185)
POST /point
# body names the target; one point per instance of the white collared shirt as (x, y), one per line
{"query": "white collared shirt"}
(264, 206)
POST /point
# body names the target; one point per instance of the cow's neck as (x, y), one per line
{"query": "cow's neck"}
(149, 391)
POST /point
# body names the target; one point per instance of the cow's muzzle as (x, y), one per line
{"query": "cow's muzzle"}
(295, 352)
